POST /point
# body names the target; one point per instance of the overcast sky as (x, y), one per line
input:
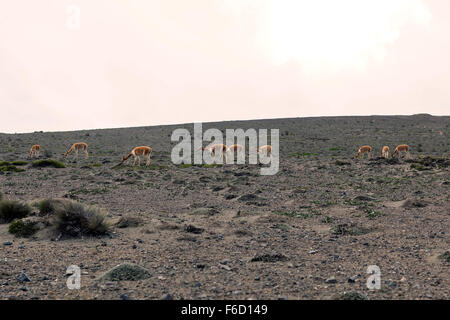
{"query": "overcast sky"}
(145, 62)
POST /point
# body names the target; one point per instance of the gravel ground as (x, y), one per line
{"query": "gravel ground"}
(226, 232)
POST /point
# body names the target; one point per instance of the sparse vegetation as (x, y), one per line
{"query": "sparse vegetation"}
(10, 166)
(49, 206)
(445, 256)
(48, 163)
(11, 210)
(23, 228)
(75, 220)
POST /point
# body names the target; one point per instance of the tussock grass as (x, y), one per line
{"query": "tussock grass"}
(11, 210)
(48, 163)
(11, 166)
(19, 163)
(49, 206)
(75, 220)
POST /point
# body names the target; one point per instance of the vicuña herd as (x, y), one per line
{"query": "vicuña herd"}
(215, 149)
(384, 151)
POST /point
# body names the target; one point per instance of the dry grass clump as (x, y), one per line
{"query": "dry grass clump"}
(72, 219)
(12, 210)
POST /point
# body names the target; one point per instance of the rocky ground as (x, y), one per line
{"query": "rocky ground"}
(226, 232)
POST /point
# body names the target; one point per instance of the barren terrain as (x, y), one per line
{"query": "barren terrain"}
(226, 232)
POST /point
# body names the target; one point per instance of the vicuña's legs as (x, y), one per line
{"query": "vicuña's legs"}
(75, 154)
(148, 160)
(87, 156)
(139, 161)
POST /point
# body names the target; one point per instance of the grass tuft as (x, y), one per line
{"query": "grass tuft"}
(11, 210)
(48, 163)
(75, 220)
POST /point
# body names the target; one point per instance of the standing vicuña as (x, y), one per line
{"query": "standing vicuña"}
(265, 149)
(35, 150)
(76, 147)
(401, 148)
(216, 148)
(364, 149)
(137, 152)
(385, 152)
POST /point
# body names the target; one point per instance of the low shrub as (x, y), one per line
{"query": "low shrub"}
(75, 220)
(48, 163)
(21, 228)
(11, 210)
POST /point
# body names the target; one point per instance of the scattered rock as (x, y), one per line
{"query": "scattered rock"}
(7, 243)
(224, 266)
(166, 297)
(124, 297)
(193, 229)
(127, 221)
(331, 280)
(342, 163)
(23, 278)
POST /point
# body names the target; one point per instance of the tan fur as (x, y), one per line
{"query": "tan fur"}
(385, 152)
(235, 148)
(137, 152)
(216, 148)
(364, 149)
(266, 149)
(401, 148)
(77, 147)
(34, 151)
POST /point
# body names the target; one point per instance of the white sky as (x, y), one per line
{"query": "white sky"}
(147, 62)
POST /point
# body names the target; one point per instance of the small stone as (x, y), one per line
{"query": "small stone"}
(123, 296)
(352, 279)
(23, 278)
(257, 278)
(24, 288)
(7, 243)
(224, 266)
(166, 297)
(21, 246)
(312, 251)
(331, 280)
